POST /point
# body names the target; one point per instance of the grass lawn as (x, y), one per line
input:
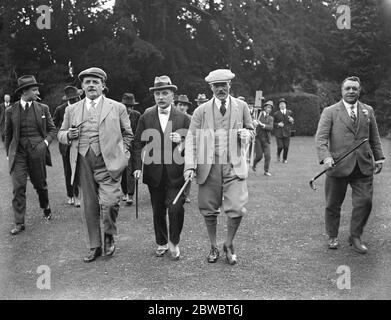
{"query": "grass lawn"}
(281, 244)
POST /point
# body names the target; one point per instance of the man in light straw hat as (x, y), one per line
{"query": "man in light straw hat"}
(29, 131)
(225, 126)
(166, 127)
(98, 131)
(72, 95)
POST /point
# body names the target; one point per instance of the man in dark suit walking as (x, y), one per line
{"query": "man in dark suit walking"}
(3, 107)
(264, 127)
(164, 128)
(283, 122)
(72, 95)
(128, 182)
(342, 126)
(29, 131)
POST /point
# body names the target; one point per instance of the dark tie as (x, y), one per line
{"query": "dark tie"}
(352, 114)
(27, 106)
(223, 109)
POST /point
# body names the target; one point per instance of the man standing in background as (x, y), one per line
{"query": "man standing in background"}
(3, 107)
(283, 122)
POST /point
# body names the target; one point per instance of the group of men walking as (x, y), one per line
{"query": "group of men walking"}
(106, 146)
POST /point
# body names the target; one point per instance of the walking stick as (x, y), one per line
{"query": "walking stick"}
(253, 140)
(181, 191)
(312, 185)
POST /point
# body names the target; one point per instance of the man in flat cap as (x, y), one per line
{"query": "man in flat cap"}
(72, 95)
(160, 133)
(29, 129)
(99, 133)
(283, 122)
(216, 146)
(128, 182)
(264, 126)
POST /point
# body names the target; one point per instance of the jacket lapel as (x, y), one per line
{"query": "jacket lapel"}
(361, 116)
(78, 115)
(18, 106)
(106, 108)
(234, 115)
(344, 116)
(38, 116)
(209, 118)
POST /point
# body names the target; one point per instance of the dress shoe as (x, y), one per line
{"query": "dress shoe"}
(213, 254)
(124, 197)
(333, 243)
(254, 168)
(230, 255)
(161, 250)
(285, 161)
(94, 253)
(267, 173)
(71, 201)
(47, 214)
(109, 246)
(18, 229)
(77, 203)
(358, 246)
(129, 200)
(175, 252)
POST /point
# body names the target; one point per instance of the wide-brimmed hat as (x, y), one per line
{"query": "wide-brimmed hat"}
(163, 82)
(93, 72)
(27, 81)
(184, 99)
(269, 103)
(219, 75)
(282, 100)
(201, 97)
(71, 92)
(128, 98)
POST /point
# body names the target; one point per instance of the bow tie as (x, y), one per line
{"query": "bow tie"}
(163, 111)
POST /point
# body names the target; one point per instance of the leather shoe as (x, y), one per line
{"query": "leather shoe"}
(267, 173)
(18, 229)
(333, 243)
(358, 246)
(161, 250)
(129, 200)
(175, 252)
(109, 246)
(230, 255)
(94, 253)
(213, 254)
(47, 214)
(254, 168)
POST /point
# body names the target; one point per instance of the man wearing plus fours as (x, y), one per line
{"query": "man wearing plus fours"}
(341, 127)
(29, 129)
(99, 132)
(216, 144)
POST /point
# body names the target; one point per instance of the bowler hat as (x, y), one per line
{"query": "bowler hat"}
(219, 75)
(163, 82)
(201, 97)
(71, 92)
(269, 103)
(93, 72)
(184, 99)
(27, 81)
(128, 98)
(282, 100)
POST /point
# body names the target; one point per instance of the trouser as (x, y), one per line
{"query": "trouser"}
(161, 200)
(262, 147)
(128, 182)
(101, 195)
(72, 190)
(283, 145)
(222, 189)
(362, 191)
(29, 161)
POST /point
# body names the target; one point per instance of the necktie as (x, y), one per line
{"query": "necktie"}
(352, 114)
(163, 111)
(92, 105)
(27, 106)
(223, 109)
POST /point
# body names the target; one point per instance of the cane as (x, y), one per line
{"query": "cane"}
(253, 140)
(180, 191)
(312, 185)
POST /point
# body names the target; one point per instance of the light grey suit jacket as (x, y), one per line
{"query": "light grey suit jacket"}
(115, 135)
(200, 139)
(336, 135)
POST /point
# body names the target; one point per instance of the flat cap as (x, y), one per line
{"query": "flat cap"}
(220, 75)
(93, 72)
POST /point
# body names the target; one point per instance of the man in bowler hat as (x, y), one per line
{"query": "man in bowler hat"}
(29, 129)
(72, 95)
(99, 133)
(283, 122)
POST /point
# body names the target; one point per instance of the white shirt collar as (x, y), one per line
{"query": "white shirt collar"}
(23, 103)
(218, 102)
(168, 109)
(97, 101)
(348, 106)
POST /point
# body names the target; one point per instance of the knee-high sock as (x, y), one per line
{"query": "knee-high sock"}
(232, 227)
(211, 226)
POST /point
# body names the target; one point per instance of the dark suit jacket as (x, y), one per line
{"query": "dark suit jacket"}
(134, 117)
(336, 135)
(2, 117)
(160, 150)
(58, 117)
(265, 133)
(45, 123)
(285, 131)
